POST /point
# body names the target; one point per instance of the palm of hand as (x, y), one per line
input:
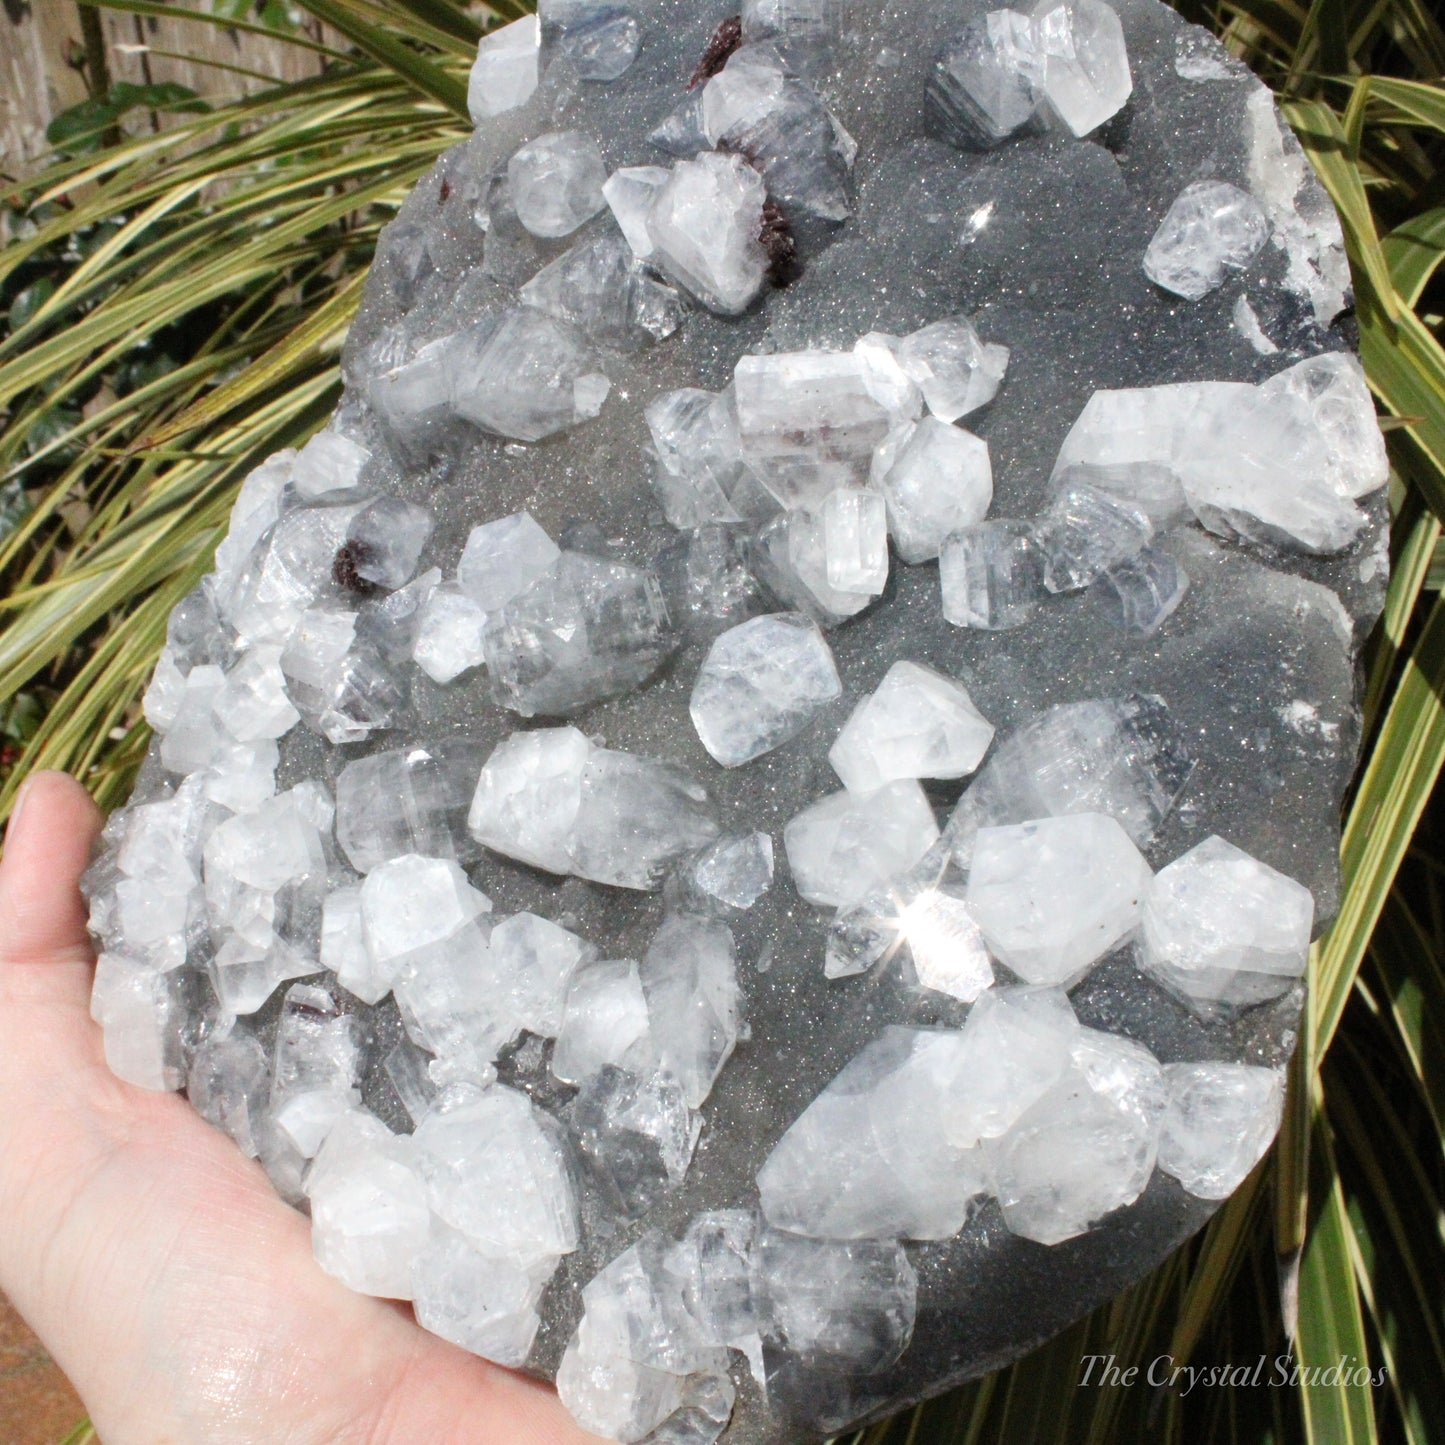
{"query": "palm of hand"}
(173, 1287)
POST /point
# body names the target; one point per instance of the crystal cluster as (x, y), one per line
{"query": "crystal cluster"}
(744, 826)
(1064, 65)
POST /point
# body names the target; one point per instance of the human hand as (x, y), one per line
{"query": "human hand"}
(177, 1292)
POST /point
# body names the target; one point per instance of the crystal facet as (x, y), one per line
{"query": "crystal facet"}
(918, 724)
(1220, 927)
(1211, 228)
(761, 684)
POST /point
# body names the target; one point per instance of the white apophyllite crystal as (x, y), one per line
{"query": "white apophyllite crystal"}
(344, 950)
(944, 944)
(194, 735)
(936, 480)
(1130, 443)
(369, 1212)
(480, 1299)
(1220, 927)
(407, 1068)
(701, 470)
(259, 853)
(1278, 463)
(1211, 228)
(391, 622)
(806, 556)
(705, 224)
(1015, 1044)
(735, 871)
(449, 635)
(603, 289)
(496, 1172)
(503, 558)
(164, 693)
(991, 576)
(551, 799)
(1086, 76)
(529, 795)
(635, 1133)
(1219, 1120)
(604, 1021)
(917, 724)
(848, 843)
(228, 1083)
(316, 1069)
(587, 629)
(808, 422)
(505, 72)
(534, 960)
(840, 1306)
(451, 1004)
(410, 903)
(329, 462)
(599, 39)
(956, 371)
(1261, 469)
(292, 566)
(629, 193)
(242, 776)
(1087, 1146)
(556, 183)
(1084, 533)
(855, 541)
(869, 1157)
(1144, 590)
(1053, 896)
(1247, 323)
(761, 684)
(1281, 178)
(253, 703)
(346, 690)
(985, 85)
(885, 379)
(756, 108)
(1126, 757)
(413, 800)
(640, 1357)
(523, 375)
(1332, 387)
(689, 975)
(384, 542)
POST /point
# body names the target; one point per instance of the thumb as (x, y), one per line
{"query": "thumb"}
(47, 848)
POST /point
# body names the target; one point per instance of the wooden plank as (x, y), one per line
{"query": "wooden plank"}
(37, 82)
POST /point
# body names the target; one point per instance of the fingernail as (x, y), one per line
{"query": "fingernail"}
(16, 807)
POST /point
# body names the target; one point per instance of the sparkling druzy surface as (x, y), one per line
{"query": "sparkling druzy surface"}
(468, 885)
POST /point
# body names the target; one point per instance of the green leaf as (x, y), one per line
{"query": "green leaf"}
(1413, 251)
(384, 46)
(29, 301)
(1411, 972)
(1419, 103)
(80, 129)
(1401, 774)
(1331, 1323)
(1406, 370)
(168, 96)
(14, 508)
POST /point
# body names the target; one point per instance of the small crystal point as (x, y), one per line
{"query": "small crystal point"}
(1211, 228)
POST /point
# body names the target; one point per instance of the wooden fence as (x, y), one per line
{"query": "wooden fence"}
(41, 53)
